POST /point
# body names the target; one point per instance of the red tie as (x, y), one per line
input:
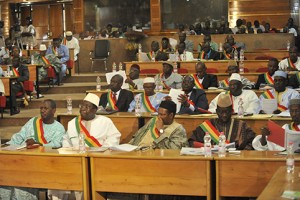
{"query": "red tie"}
(114, 96)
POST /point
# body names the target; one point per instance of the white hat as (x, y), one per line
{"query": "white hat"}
(235, 76)
(149, 80)
(224, 101)
(43, 47)
(93, 98)
(69, 33)
(280, 73)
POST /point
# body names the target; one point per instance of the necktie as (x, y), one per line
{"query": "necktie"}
(114, 96)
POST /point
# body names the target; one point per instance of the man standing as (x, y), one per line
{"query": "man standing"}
(268, 77)
(235, 130)
(236, 93)
(292, 63)
(189, 45)
(148, 101)
(280, 92)
(72, 43)
(202, 79)
(52, 133)
(162, 132)
(116, 99)
(169, 79)
(193, 101)
(61, 52)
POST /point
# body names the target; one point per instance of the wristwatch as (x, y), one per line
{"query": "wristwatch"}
(161, 131)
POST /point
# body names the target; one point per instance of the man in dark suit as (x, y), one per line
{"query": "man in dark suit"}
(193, 101)
(294, 80)
(267, 78)
(208, 53)
(202, 79)
(20, 71)
(116, 99)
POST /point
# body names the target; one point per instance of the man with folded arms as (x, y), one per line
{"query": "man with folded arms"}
(117, 99)
(38, 131)
(261, 142)
(202, 79)
(268, 77)
(149, 100)
(280, 92)
(235, 130)
(161, 132)
(236, 92)
(98, 130)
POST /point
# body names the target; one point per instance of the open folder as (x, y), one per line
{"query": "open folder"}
(277, 134)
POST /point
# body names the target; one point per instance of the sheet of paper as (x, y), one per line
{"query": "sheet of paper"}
(269, 105)
(292, 136)
(262, 116)
(68, 150)
(191, 151)
(124, 147)
(97, 149)
(13, 147)
(122, 73)
(174, 93)
(284, 114)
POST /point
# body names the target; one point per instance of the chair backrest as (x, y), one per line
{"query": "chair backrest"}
(182, 71)
(263, 57)
(262, 69)
(51, 72)
(212, 70)
(28, 86)
(2, 101)
(101, 49)
(70, 64)
(149, 71)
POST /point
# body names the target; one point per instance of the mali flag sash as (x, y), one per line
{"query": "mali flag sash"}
(202, 55)
(197, 83)
(163, 82)
(146, 102)
(268, 78)
(291, 64)
(268, 95)
(154, 131)
(15, 72)
(65, 41)
(206, 126)
(150, 55)
(293, 127)
(112, 102)
(225, 82)
(89, 140)
(38, 129)
(227, 56)
(281, 107)
(54, 52)
(45, 60)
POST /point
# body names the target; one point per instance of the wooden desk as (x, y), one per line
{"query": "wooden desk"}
(280, 182)
(221, 65)
(247, 174)
(149, 172)
(44, 168)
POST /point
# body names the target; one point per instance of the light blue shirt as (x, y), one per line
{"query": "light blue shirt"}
(62, 50)
(154, 100)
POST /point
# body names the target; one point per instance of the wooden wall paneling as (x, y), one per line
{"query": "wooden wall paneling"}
(78, 16)
(56, 20)
(69, 17)
(155, 15)
(5, 16)
(40, 22)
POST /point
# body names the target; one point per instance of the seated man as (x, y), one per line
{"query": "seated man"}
(208, 53)
(169, 79)
(268, 78)
(98, 130)
(280, 92)
(183, 54)
(166, 46)
(228, 52)
(235, 130)
(72, 43)
(236, 92)
(236, 45)
(261, 143)
(52, 136)
(294, 80)
(148, 101)
(154, 50)
(202, 79)
(292, 63)
(213, 45)
(118, 98)
(134, 80)
(193, 101)
(62, 53)
(234, 68)
(5, 52)
(189, 45)
(161, 132)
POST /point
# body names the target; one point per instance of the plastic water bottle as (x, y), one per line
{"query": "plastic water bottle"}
(288, 45)
(175, 70)
(236, 55)
(137, 106)
(81, 143)
(32, 59)
(290, 161)
(69, 105)
(8, 71)
(241, 66)
(177, 56)
(98, 83)
(240, 108)
(184, 56)
(153, 57)
(140, 48)
(222, 145)
(159, 85)
(27, 46)
(220, 47)
(207, 145)
(31, 46)
(242, 55)
(120, 66)
(114, 67)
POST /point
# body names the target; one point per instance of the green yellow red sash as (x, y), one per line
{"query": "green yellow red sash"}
(154, 131)
(39, 134)
(294, 127)
(150, 55)
(202, 55)
(54, 50)
(147, 104)
(45, 60)
(281, 107)
(197, 83)
(225, 82)
(291, 64)
(89, 140)
(206, 126)
(227, 56)
(15, 72)
(268, 95)
(112, 103)
(163, 82)
(268, 78)
(65, 41)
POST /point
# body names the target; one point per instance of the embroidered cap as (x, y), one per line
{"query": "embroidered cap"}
(93, 98)
(169, 63)
(69, 33)
(235, 76)
(232, 63)
(294, 101)
(280, 73)
(149, 80)
(224, 101)
(43, 47)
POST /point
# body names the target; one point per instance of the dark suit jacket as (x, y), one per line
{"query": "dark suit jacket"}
(214, 55)
(198, 97)
(124, 99)
(24, 73)
(210, 80)
(294, 81)
(260, 80)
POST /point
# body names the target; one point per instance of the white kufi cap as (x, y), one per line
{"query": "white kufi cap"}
(93, 98)
(149, 80)
(281, 74)
(235, 76)
(43, 47)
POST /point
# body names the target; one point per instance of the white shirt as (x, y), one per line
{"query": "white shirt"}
(250, 102)
(283, 65)
(73, 44)
(186, 56)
